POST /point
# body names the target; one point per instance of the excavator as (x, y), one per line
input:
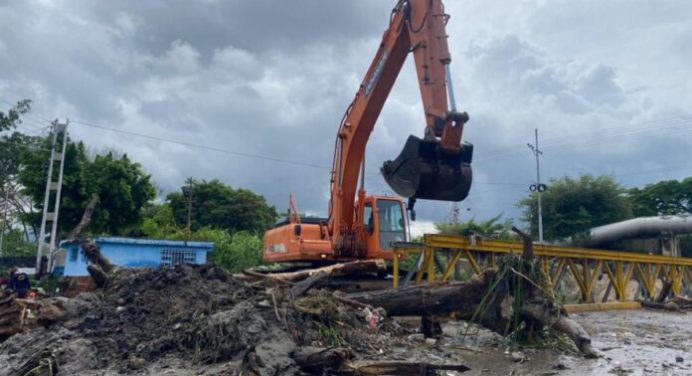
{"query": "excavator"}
(436, 167)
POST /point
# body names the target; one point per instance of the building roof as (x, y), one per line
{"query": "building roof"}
(151, 242)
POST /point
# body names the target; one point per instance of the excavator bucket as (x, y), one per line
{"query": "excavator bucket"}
(424, 170)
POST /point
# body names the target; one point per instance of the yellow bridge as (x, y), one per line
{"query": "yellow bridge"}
(585, 265)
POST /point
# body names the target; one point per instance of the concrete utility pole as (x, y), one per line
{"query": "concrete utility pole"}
(539, 187)
(189, 209)
(57, 154)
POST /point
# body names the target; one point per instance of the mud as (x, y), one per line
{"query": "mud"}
(200, 320)
(633, 342)
(191, 320)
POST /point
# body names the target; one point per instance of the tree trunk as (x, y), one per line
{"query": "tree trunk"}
(86, 218)
(99, 276)
(348, 268)
(313, 359)
(94, 255)
(425, 300)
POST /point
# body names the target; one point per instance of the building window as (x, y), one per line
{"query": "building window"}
(177, 256)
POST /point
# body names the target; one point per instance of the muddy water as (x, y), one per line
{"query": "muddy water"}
(633, 342)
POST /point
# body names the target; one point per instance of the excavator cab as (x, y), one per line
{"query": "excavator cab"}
(384, 222)
(424, 170)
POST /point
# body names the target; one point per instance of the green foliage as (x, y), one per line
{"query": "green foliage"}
(15, 244)
(158, 222)
(237, 252)
(233, 251)
(571, 206)
(12, 118)
(11, 148)
(491, 228)
(122, 186)
(662, 198)
(217, 205)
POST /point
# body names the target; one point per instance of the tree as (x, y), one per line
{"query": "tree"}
(217, 205)
(158, 223)
(491, 228)
(123, 189)
(12, 202)
(12, 118)
(662, 198)
(122, 186)
(571, 206)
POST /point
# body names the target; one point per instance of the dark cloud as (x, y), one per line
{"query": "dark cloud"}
(272, 78)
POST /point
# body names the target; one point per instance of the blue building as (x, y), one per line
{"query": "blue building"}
(129, 252)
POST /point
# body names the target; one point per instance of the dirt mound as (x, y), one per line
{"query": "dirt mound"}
(186, 319)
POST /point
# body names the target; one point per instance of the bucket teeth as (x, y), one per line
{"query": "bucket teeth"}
(423, 170)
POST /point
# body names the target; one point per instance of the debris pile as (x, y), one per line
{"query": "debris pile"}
(185, 319)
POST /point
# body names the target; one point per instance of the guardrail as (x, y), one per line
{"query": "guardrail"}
(585, 265)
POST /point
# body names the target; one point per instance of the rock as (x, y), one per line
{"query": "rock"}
(430, 341)
(135, 362)
(517, 356)
(560, 366)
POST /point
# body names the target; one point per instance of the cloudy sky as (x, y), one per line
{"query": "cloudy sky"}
(242, 85)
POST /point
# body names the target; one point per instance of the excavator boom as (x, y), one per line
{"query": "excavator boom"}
(435, 167)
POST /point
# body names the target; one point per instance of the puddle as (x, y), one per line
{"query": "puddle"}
(633, 342)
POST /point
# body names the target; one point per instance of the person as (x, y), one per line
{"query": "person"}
(20, 283)
(43, 268)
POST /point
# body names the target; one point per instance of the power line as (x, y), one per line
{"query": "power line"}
(682, 122)
(212, 148)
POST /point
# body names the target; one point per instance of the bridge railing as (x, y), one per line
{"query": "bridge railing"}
(586, 266)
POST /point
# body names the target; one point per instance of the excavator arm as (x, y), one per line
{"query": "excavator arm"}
(436, 167)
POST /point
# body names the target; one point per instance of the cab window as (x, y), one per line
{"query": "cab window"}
(391, 223)
(369, 221)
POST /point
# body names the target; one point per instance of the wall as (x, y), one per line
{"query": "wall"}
(127, 255)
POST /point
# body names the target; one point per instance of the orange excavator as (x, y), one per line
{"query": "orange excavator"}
(436, 167)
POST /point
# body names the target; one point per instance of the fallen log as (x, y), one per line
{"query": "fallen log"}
(665, 291)
(677, 303)
(314, 359)
(512, 297)
(465, 299)
(94, 256)
(401, 368)
(347, 268)
(301, 287)
(99, 276)
(562, 323)
(426, 300)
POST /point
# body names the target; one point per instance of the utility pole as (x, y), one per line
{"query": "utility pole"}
(189, 208)
(538, 186)
(57, 154)
(4, 216)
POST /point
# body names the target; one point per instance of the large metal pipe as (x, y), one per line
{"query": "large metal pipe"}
(642, 227)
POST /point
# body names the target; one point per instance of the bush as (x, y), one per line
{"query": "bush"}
(15, 244)
(237, 252)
